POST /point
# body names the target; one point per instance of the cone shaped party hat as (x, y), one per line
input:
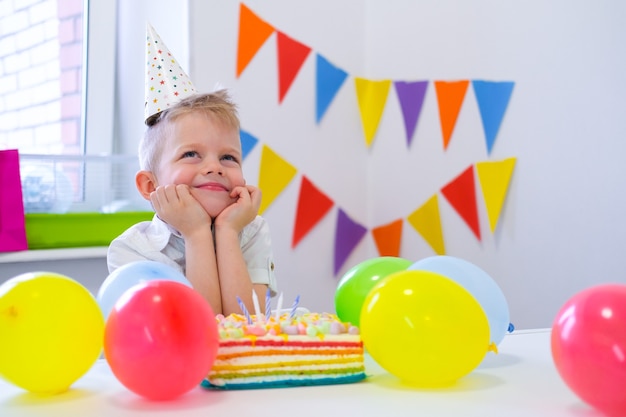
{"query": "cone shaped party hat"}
(166, 82)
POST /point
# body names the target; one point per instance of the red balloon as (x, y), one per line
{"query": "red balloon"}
(161, 339)
(589, 346)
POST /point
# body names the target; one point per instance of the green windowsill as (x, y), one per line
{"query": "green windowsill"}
(73, 230)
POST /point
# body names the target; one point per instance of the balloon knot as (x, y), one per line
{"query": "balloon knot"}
(492, 348)
(11, 312)
(511, 328)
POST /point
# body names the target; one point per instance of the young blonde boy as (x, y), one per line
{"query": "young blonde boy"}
(206, 222)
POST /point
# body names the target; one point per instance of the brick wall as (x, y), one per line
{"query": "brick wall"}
(41, 75)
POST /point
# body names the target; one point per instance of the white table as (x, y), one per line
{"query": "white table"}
(519, 381)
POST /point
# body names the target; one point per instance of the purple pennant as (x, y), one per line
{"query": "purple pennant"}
(411, 96)
(347, 235)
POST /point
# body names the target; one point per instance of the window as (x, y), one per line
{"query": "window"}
(41, 48)
(51, 100)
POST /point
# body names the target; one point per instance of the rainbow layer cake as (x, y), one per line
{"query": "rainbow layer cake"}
(284, 351)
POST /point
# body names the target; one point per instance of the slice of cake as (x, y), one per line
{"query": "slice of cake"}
(284, 351)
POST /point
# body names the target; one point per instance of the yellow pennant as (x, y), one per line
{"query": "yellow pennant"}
(274, 175)
(427, 221)
(494, 177)
(372, 96)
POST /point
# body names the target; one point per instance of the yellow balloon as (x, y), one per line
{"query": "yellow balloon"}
(424, 328)
(51, 331)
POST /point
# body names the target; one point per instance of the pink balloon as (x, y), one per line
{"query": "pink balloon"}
(161, 339)
(589, 346)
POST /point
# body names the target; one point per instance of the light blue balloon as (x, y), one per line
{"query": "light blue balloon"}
(478, 283)
(131, 274)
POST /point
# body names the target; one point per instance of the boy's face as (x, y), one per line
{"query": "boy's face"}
(204, 153)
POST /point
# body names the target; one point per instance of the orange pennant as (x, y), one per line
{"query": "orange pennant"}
(427, 221)
(312, 207)
(450, 96)
(274, 175)
(461, 194)
(388, 238)
(291, 56)
(253, 32)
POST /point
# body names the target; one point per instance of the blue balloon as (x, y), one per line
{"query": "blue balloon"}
(478, 283)
(131, 274)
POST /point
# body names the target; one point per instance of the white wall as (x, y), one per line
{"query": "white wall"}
(561, 229)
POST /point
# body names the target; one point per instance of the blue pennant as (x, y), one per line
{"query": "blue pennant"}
(247, 143)
(328, 79)
(493, 99)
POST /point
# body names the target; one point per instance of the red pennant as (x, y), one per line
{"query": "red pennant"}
(253, 32)
(291, 56)
(388, 238)
(461, 194)
(312, 207)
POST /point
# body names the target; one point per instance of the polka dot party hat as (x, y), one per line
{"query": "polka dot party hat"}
(166, 83)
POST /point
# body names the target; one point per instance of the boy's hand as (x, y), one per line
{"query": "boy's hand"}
(175, 205)
(243, 211)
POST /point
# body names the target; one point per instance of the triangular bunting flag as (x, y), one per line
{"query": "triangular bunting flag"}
(312, 207)
(494, 177)
(388, 238)
(493, 98)
(411, 96)
(248, 142)
(450, 96)
(328, 80)
(291, 56)
(427, 221)
(461, 194)
(253, 32)
(372, 96)
(274, 175)
(347, 235)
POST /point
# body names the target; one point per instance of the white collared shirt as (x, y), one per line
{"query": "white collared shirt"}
(156, 241)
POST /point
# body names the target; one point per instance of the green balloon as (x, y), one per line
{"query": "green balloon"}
(356, 284)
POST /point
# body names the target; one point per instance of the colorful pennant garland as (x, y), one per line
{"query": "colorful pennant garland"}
(313, 204)
(492, 96)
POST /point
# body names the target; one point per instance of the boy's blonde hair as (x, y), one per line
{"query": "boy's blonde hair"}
(217, 103)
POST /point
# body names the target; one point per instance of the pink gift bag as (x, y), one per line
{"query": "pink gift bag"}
(12, 227)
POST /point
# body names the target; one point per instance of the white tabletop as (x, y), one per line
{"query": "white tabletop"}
(521, 380)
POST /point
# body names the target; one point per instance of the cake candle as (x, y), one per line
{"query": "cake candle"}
(279, 306)
(268, 302)
(294, 306)
(257, 309)
(244, 310)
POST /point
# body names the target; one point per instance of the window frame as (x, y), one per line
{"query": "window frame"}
(99, 63)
